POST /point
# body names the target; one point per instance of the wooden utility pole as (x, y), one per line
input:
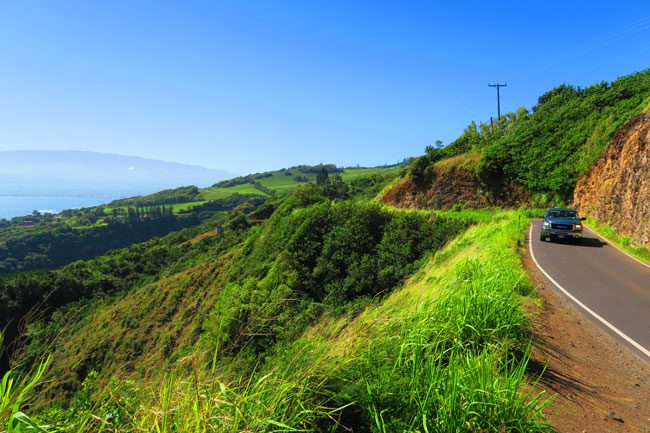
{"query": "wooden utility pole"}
(498, 86)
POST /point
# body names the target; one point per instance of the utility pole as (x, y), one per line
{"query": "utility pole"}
(498, 86)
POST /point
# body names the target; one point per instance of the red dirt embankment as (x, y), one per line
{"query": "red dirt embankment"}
(454, 182)
(616, 189)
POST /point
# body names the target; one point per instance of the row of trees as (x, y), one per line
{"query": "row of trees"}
(139, 213)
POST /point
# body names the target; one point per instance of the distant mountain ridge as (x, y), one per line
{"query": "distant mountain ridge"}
(81, 173)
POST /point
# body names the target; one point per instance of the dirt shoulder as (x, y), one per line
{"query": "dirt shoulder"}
(599, 385)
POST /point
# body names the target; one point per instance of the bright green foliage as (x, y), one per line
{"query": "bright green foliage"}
(15, 390)
(474, 138)
(640, 252)
(54, 242)
(568, 129)
(445, 353)
(456, 361)
(307, 260)
(63, 291)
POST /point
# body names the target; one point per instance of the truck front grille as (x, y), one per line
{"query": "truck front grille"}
(562, 226)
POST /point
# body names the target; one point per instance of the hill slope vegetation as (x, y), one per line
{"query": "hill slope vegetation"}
(318, 308)
(540, 153)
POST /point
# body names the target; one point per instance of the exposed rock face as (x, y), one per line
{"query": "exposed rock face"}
(616, 190)
(456, 185)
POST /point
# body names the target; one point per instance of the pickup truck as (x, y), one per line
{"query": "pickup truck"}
(561, 223)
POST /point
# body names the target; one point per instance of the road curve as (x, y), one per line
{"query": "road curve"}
(609, 287)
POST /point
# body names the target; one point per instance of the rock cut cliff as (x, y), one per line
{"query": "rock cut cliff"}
(616, 189)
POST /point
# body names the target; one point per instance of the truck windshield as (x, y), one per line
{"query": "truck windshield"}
(563, 214)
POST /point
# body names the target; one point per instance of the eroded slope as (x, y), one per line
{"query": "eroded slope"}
(616, 189)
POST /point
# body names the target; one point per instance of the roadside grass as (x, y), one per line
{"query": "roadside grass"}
(623, 242)
(447, 352)
(15, 391)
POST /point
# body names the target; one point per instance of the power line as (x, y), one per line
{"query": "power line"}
(498, 86)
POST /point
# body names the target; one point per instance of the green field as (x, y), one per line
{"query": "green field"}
(281, 183)
(214, 193)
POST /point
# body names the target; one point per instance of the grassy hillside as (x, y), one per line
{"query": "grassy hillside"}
(309, 258)
(316, 308)
(47, 241)
(454, 360)
(545, 150)
(287, 180)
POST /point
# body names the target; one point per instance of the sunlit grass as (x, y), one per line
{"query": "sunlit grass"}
(606, 230)
(447, 352)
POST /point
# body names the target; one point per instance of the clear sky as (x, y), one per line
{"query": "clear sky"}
(248, 86)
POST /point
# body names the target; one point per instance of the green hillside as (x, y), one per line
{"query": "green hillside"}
(298, 322)
(287, 180)
(47, 241)
(297, 301)
(546, 149)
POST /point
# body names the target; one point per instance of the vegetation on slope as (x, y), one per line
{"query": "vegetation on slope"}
(56, 241)
(289, 179)
(446, 352)
(567, 131)
(247, 291)
(48, 241)
(183, 194)
(544, 151)
(50, 299)
(320, 313)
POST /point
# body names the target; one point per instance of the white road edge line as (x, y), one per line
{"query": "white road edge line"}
(612, 244)
(620, 333)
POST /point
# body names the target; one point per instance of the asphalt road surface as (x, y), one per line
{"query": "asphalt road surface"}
(609, 287)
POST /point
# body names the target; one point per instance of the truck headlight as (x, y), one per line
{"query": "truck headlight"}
(546, 224)
(578, 226)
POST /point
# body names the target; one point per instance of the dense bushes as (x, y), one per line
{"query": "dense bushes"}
(474, 138)
(546, 150)
(307, 260)
(567, 131)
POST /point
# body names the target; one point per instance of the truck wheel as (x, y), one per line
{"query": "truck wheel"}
(541, 237)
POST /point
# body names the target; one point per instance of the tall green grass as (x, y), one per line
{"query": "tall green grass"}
(457, 361)
(606, 230)
(448, 352)
(15, 390)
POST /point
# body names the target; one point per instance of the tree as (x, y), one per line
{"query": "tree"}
(322, 177)
(335, 188)
(420, 169)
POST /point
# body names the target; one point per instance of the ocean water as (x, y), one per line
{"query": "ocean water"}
(18, 206)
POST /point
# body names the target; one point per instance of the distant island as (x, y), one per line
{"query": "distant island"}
(42, 173)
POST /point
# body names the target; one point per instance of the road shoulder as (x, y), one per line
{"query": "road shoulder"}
(597, 382)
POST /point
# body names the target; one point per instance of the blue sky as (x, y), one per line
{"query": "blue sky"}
(248, 86)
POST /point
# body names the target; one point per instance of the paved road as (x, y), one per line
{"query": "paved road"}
(609, 287)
